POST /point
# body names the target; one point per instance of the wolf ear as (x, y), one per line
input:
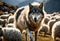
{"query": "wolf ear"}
(30, 6)
(41, 5)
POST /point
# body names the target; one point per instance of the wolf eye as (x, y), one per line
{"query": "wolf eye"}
(37, 11)
(33, 10)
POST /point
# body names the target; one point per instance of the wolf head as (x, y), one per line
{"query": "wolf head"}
(36, 13)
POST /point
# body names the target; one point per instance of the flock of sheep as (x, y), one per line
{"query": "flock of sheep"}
(7, 30)
(50, 25)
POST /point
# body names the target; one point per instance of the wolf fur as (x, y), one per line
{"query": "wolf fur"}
(29, 17)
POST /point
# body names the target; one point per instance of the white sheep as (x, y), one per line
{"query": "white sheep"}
(54, 19)
(56, 30)
(10, 25)
(10, 34)
(11, 19)
(47, 18)
(5, 16)
(50, 24)
(44, 28)
(3, 22)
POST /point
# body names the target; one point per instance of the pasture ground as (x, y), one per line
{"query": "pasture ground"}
(40, 37)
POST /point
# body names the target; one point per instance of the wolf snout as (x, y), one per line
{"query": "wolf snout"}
(35, 19)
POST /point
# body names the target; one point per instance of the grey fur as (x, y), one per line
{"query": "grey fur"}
(11, 34)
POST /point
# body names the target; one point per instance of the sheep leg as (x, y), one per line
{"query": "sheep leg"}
(30, 35)
(36, 35)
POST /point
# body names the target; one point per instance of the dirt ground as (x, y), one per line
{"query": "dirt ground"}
(41, 38)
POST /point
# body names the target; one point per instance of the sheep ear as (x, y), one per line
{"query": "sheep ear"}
(30, 6)
(41, 5)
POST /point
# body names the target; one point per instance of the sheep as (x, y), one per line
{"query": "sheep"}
(5, 16)
(54, 18)
(55, 13)
(11, 19)
(6, 12)
(10, 34)
(47, 18)
(50, 24)
(10, 25)
(3, 22)
(44, 28)
(56, 30)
